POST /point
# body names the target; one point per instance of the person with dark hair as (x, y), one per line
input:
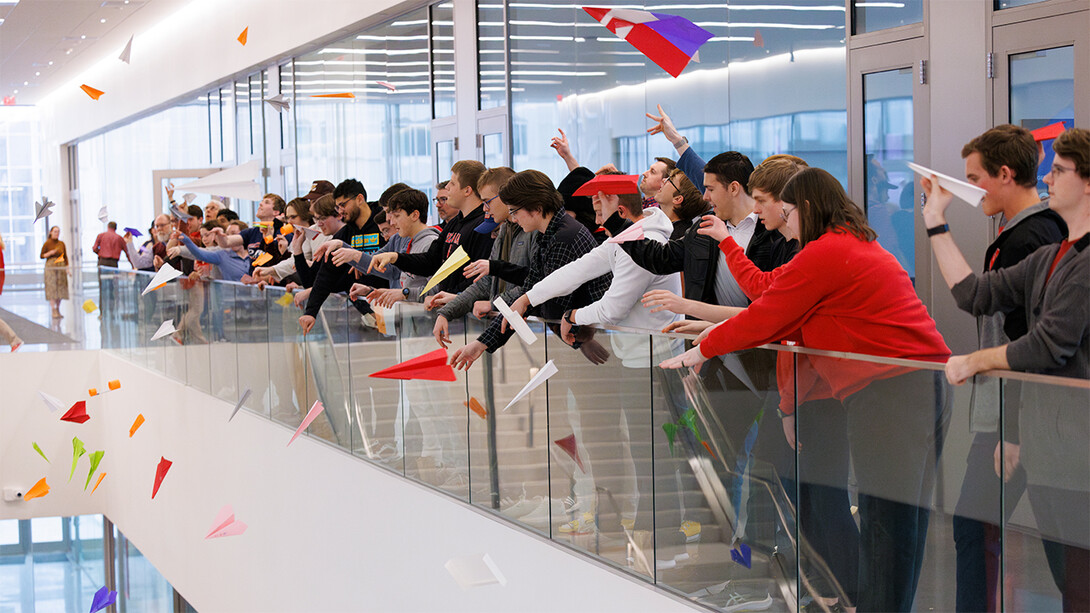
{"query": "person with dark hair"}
(109, 246)
(328, 222)
(535, 205)
(843, 292)
(681, 202)
(298, 214)
(227, 214)
(1052, 287)
(650, 181)
(408, 210)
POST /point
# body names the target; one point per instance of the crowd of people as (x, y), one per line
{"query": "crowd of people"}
(742, 255)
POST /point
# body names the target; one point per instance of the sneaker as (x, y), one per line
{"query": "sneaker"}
(814, 607)
(521, 507)
(738, 601)
(579, 525)
(539, 517)
(691, 530)
(628, 524)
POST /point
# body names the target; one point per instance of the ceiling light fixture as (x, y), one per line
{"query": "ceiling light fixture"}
(50, 62)
(103, 20)
(37, 74)
(69, 52)
(26, 82)
(82, 36)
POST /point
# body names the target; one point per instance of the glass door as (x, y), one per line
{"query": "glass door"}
(492, 143)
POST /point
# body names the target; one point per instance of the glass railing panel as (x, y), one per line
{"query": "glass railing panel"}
(252, 327)
(376, 404)
(168, 302)
(509, 450)
(198, 318)
(327, 344)
(434, 413)
(223, 353)
(144, 315)
(287, 357)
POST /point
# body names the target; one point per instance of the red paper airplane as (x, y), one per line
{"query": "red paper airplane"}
(569, 445)
(160, 473)
(77, 414)
(1048, 132)
(431, 366)
(610, 184)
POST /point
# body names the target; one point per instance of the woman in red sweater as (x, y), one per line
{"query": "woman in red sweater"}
(843, 292)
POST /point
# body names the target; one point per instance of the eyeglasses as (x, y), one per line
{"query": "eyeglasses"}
(1059, 170)
(441, 199)
(670, 180)
(513, 210)
(785, 212)
(490, 199)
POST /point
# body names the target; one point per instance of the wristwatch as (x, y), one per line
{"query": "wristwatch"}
(405, 292)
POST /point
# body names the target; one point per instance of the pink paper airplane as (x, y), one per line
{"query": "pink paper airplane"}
(225, 524)
(632, 233)
(387, 85)
(315, 410)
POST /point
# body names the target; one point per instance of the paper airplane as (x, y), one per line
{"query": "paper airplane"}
(163, 276)
(89, 306)
(179, 212)
(631, 233)
(610, 184)
(515, 321)
(134, 232)
(476, 406)
(136, 423)
(238, 406)
(340, 95)
(53, 403)
(43, 209)
(387, 85)
(160, 474)
(92, 92)
(189, 197)
(262, 259)
(41, 488)
(431, 366)
(548, 370)
(315, 410)
(40, 452)
(453, 263)
(95, 458)
(671, 434)
(238, 182)
(474, 571)
(103, 215)
(279, 102)
(667, 40)
(966, 191)
(77, 453)
(311, 233)
(165, 329)
(101, 476)
(77, 414)
(1048, 132)
(225, 524)
(103, 598)
(244, 36)
(569, 445)
(708, 448)
(126, 53)
(285, 300)
(742, 555)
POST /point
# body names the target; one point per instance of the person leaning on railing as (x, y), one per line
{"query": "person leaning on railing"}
(1053, 285)
(844, 292)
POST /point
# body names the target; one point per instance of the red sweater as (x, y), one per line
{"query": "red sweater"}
(842, 294)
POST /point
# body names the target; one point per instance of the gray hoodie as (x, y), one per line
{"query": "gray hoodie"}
(511, 245)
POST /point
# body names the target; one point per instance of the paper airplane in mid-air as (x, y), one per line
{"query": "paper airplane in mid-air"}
(225, 524)
(667, 40)
(166, 329)
(548, 370)
(315, 410)
(279, 102)
(95, 94)
(160, 474)
(43, 209)
(126, 53)
(103, 598)
(431, 366)
(966, 191)
(453, 263)
(515, 321)
(164, 275)
(238, 182)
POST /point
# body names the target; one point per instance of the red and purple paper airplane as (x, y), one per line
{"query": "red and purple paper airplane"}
(667, 40)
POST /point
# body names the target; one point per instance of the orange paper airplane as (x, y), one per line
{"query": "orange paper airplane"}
(242, 37)
(77, 414)
(340, 95)
(431, 366)
(136, 424)
(100, 478)
(475, 406)
(41, 488)
(92, 92)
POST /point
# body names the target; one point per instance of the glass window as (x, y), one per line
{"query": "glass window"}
(1042, 92)
(1006, 4)
(870, 16)
(492, 54)
(21, 185)
(442, 59)
(887, 144)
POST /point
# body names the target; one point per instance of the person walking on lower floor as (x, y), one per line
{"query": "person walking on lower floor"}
(55, 255)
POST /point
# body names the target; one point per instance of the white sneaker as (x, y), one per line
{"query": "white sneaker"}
(540, 517)
(747, 602)
(521, 507)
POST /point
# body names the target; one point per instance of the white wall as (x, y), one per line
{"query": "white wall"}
(327, 532)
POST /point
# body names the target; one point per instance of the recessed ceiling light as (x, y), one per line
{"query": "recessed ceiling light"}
(82, 36)
(103, 20)
(26, 82)
(69, 52)
(50, 62)
(15, 92)
(37, 74)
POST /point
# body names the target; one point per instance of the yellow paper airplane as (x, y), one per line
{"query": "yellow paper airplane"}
(453, 263)
(89, 306)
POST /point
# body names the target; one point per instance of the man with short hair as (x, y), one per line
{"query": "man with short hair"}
(408, 210)
(109, 246)
(652, 179)
(681, 202)
(442, 196)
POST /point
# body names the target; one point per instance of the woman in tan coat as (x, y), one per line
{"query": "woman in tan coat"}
(56, 270)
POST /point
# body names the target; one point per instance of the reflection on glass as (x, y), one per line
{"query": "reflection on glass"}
(442, 59)
(1042, 92)
(444, 159)
(492, 55)
(887, 143)
(871, 16)
(493, 150)
(1006, 4)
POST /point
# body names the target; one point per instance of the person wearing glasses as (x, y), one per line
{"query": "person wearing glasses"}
(1052, 286)
(442, 196)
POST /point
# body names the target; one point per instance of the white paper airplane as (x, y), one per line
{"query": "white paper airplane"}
(515, 321)
(548, 370)
(966, 191)
(51, 402)
(631, 233)
(241, 401)
(475, 571)
(279, 102)
(127, 51)
(238, 182)
(164, 330)
(165, 275)
(43, 209)
(103, 215)
(189, 198)
(310, 233)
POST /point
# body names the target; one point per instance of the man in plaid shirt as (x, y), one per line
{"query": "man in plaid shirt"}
(534, 204)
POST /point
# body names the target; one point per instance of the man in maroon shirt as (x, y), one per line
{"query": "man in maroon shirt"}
(109, 246)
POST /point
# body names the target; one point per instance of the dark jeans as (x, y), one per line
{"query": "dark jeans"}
(1062, 517)
(895, 432)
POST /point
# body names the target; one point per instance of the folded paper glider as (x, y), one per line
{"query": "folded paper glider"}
(966, 191)
(279, 102)
(95, 458)
(311, 233)
(1048, 132)
(262, 259)
(43, 209)
(41, 488)
(160, 474)
(225, 524)
(241, 401)
(515, 321)
(315, 410)
(189, 197)
(475, 571)
(476, 406)
(40, 452)
(103, 598)
(387, 85)
(179, 212)
(709, 448)
(742, 555)
(103, 215)
(548, 370)
(667, 40)
(165, 329)
(77, 414)
(53, 403)
(285, 300)
(453, 263)
(569, 445)
(164, 275)
(89, 306)
(339, 95)
(431, 366)
(136, 423)
(610, 184)
(126, 53)
(134, 232)
(238, 182)
(92, 92)
(101, 476)
(244, 36)
(77, 453)
(632, 233)
(671, 434)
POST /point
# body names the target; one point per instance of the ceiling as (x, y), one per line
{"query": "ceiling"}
(46, 43)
